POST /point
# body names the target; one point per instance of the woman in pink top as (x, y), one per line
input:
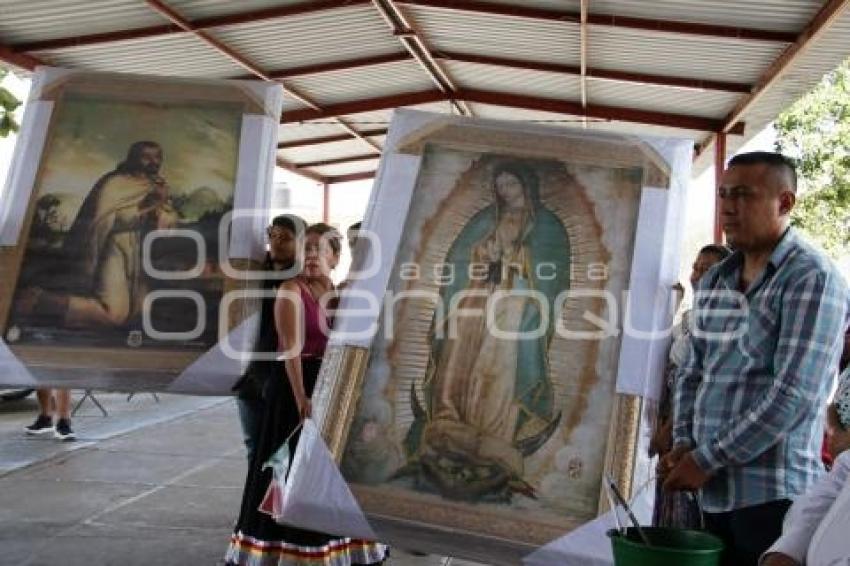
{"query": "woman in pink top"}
(302, 325)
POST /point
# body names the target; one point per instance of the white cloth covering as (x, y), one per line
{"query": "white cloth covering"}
(817, 526)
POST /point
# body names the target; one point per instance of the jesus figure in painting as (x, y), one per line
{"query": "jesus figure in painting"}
(103, 249)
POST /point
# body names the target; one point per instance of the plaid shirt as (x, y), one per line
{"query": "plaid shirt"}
(751, 395)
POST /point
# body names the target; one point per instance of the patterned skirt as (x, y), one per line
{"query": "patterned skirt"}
(245, 550)
(257, 540)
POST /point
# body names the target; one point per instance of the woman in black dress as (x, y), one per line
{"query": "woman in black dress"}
(302, 331)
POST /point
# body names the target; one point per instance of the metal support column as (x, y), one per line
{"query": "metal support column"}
(326, 203)
(719, 167)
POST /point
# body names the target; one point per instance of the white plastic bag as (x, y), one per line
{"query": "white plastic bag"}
(316, 496)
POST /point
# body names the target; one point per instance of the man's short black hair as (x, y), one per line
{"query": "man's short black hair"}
(773, 160)
(290, 222)
(355, 227)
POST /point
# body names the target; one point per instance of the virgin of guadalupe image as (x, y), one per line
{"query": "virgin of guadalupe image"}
(487, 400)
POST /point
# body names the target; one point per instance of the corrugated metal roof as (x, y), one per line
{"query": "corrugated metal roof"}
(822, 56)
(576, 123)
(349, 32)
(496, 35)
(35, 20)
(784, 15)
(374, 119)
(196, 9)
(692, 102)
(630, 128)
(291, 104)
(444, 107)
(173, 55)
(364, 82)
(564, 5)
(346, 168)
(678, 55)
(322, 151)
(518, 81)
(378, 118)
(306, 130)
(318, 37)
(493, 112)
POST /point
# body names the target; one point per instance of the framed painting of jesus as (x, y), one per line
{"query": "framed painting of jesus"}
(112, 244)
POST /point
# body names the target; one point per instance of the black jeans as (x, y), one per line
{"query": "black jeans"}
(250, 417)
(748, 531)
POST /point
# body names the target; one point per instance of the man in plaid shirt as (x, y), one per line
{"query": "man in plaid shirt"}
(750, 399)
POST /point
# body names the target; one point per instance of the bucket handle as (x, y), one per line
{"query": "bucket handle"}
(614, 496)
(695, 495)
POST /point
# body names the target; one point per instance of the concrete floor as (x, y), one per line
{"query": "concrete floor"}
(151, 483)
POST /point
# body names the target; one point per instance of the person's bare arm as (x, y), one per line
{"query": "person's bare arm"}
(289, 323)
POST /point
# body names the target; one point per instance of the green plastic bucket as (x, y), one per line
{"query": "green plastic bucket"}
(668, 547)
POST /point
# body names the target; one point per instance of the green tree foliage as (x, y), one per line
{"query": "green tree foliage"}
(8, 104)
(816, 130)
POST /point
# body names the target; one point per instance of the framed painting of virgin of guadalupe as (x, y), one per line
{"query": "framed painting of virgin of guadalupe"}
(483, 411)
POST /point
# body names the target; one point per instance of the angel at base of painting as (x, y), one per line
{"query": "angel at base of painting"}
(490, 401)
